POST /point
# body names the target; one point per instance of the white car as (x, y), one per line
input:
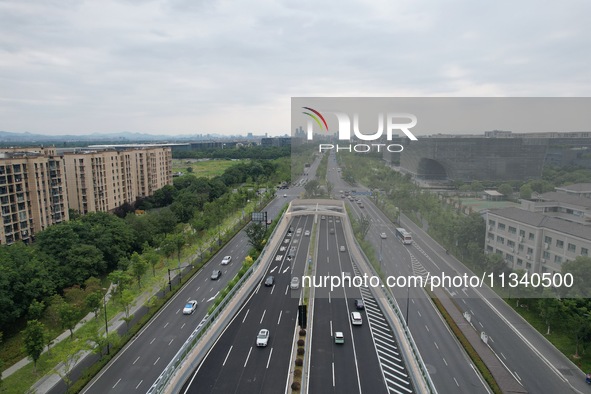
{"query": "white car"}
(190, 307)
(383, 236)
(307, 233)
(295, 283)
(263, 337)
(356, 319)
(226, 260)
(342, 248)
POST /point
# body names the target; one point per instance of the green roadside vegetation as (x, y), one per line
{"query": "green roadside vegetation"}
(562, 317)
(57, 274)
(207, 168)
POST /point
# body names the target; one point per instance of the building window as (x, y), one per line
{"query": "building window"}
(501, 226)
(548, 240)
(520, 247)
(557, 259)
(530, 251)
(572, 248)
(522, 233)
(532, 236)
(560, 244)
(527, 265)
(584, 252)
(489, 248)
(510, 243)
(519, 262)
(501, 240)
(512, 230)
(546, 255)
(509, 257)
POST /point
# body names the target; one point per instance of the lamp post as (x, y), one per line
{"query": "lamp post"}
(106, 321)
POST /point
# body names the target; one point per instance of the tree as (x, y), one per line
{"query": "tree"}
(36, 310)
(127, 301)
(505, 189)
(256, 235)
(94, 301)
(362, 225)
(525, 192)
(173, 243)
(69, 316)
(139, 266)
(329, 188)
(151, 256)
(494, 262)
(34, 340)
(580, 269)
(312, 188)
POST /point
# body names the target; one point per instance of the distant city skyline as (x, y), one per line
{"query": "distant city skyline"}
(192, 67)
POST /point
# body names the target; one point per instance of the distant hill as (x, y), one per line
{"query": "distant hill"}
(7, 137)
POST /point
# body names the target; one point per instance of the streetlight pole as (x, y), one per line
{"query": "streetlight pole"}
(106, 321)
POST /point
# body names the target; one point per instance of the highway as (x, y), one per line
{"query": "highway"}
(137, 366)
(449, 367)
(535, 363)
(369, 360)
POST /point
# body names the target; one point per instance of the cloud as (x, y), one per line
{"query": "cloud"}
(225, 66)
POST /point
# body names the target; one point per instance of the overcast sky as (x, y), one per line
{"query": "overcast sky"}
(231, 67)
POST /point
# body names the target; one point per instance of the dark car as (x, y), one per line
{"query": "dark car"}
(359, 304)
(215, 275)
(270, 281)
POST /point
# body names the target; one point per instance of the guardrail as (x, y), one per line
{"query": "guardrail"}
(204, 326)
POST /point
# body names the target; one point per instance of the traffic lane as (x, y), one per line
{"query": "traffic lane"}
(522, 362)
(428, 337)
(263, 308)
(511, 350)
(140, 363)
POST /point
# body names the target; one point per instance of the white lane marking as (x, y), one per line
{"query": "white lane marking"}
(436, 345)
(272, 288)
(269, 360)
(177, 312)
(278, 320)
(427, 328)
(445, 362)
(419, 314)
(246, 361)
(138, 385)
(166, 325)
(138, 357)
(331, 328)
(285, 270)
(333, 384)
(273, 270)
(170, 341)
(117, 383)
(156, 360)
(183, 325)
(262, 317)
(456, 382)
(151, 342)
(503, 355)
(518, 377)
(198, 289)
(213, 298)
(481, 324)
(286, 289)
(246, 314)
(224, 363)
(257, 290)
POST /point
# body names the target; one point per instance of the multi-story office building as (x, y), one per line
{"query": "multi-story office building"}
(104, 180)
(533, 241)
(32, 192)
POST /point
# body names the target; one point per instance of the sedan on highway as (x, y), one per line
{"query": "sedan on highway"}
(295, 283)
(342, 249)
(339, 337)
(215, 275)
(269, 281)
(359, 304)
(190, 307)
(263, 337)
(383, 236)
(226, 260)
(356, 319)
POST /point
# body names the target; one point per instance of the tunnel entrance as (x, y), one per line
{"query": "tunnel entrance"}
(430, 169)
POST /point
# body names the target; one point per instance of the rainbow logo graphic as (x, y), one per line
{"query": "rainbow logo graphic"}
(317, 116)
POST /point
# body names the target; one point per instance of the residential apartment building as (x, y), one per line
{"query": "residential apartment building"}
(533, 241)
(102, 180)
(32, 192)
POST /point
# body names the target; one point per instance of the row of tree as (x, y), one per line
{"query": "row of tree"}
(99, 243)
(255, 152)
